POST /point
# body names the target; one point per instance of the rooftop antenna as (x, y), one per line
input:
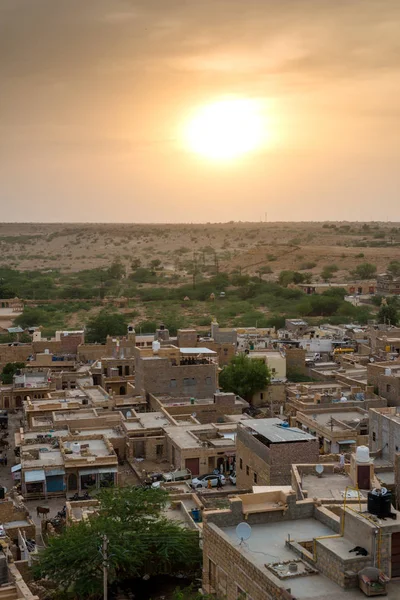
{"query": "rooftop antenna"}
(243, 532)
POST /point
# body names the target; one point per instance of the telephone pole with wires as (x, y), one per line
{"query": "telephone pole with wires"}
(105, 567)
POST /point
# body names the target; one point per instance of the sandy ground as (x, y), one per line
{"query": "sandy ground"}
(73, 247)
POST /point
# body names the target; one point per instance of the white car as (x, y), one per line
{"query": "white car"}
(202, 480)
(232, 478)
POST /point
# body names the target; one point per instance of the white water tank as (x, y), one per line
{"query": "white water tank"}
(362, 454)
(388, 371)
(76, 447)
(156, 346)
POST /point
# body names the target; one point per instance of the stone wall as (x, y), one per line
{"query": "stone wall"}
(14, 353)
(259, 464)
(227, 568)
(159, 376)
(342, 572)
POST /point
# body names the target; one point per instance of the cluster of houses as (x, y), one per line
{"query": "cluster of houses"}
(310, 465)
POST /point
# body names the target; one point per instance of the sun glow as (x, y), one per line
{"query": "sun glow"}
(227, 129)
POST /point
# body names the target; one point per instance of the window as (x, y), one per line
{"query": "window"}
(172, 383)
(388, 388)
(255, 477)
(241, 464)
(226, 351)
(261, 396)
(208, 380)
(247, 470)
(373, 436)
(240, 594)
(189, 381)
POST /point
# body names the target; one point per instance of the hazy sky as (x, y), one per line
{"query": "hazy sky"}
(94, 95)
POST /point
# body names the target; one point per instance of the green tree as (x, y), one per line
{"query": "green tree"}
(9, 371)
(389, 312)
(116, 270)
(328, 272)
(31, 317)
(287, 277)
(140, 541)
(155, 264)
(245, 376)
(104, 324)
(365, 271)
(394, 268)
(135, 264)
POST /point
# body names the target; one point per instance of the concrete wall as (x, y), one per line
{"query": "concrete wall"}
(384, 433)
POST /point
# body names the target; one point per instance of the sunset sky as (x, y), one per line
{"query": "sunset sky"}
(97, 98)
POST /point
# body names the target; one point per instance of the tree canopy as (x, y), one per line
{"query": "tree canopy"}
(365, 271)
(9, 370)
(245, 376)
(104, 324)
(141, 541)
(394, 268)
(389, 312)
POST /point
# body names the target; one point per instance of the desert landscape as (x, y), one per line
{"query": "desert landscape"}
(235, 245)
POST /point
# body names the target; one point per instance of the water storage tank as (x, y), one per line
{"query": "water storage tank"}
(388, 371)
(156, 346)
(362, 454)
(76, 447)
(379, 502)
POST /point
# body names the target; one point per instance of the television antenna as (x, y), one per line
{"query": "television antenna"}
(243, 532)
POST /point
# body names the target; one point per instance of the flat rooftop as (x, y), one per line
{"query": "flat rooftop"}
(324, 419)
(267, 545)
(167, 401)
(96, 448)
(75, 414)
(330, 485)
(47, 458)
(151, 420)
(273, 431)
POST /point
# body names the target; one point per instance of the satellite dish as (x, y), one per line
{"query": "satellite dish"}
(129, 414)
(194, 415)
(243, 532)
(371, 360)
(319, 469)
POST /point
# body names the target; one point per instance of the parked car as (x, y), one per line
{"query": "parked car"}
(232, 477)
(178, 475)
(202, 480)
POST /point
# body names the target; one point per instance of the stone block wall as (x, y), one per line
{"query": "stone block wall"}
(342, 572)
(14, 353)
(227, 568)
(259, 464)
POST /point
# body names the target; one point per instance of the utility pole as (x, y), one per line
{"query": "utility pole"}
(105, 567)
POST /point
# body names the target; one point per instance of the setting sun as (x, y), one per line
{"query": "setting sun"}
(226, 129)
